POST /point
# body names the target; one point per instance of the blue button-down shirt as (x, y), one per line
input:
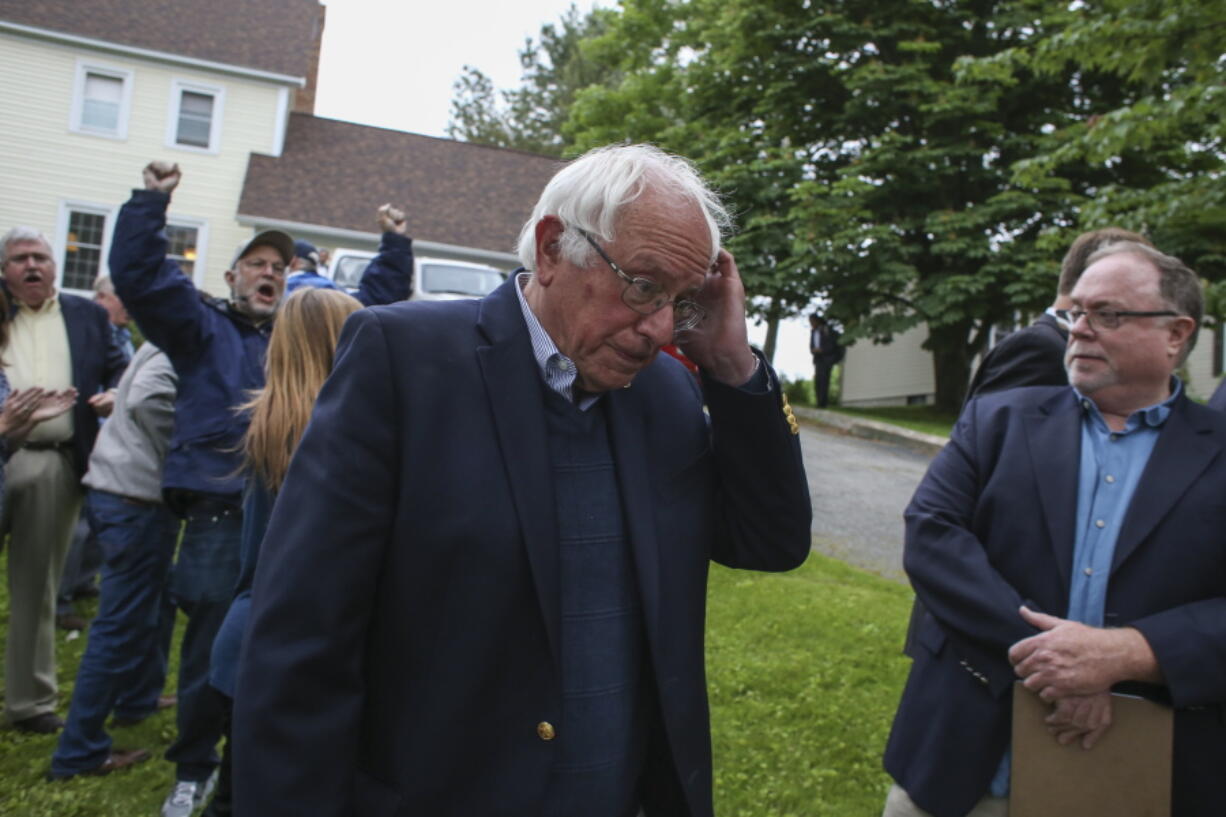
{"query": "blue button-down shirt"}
(1111, 466)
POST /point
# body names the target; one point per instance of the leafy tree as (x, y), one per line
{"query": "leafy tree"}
(1158, 101)
(530, 117)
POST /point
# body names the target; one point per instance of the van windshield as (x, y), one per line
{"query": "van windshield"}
(348, 272)
(459, 280)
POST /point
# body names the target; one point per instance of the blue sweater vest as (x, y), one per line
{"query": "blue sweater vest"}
(603, 735)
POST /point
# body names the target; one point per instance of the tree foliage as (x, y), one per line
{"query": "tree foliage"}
(530, 118)
(1151, 76)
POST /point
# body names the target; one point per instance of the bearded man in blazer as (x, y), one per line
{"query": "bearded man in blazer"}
(1071, 537)
(482, 591)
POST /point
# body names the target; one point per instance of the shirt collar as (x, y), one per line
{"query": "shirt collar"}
(1154, 416)
(52, 304)
(557, 370)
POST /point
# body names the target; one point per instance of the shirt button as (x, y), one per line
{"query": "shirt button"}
(544, 730)
(1085, 404)
(1114, 437)
(1098, 523)
(1089, 571)
(564, 365)
(1110, 478)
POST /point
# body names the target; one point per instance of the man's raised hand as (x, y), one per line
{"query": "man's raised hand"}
(162, 176)
(391, 220)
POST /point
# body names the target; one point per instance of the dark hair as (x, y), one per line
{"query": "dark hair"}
(1077, 258)
(1178, 285)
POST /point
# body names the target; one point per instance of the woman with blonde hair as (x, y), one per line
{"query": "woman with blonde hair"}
(300, 353)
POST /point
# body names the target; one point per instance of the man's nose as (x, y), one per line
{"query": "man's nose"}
(1081, 325)
(658, 326)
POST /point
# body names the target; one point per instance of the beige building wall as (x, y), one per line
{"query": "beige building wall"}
(901, 372)
(891, 374)
(49, 168)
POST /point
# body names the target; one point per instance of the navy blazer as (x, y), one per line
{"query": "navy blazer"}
(97, 364)
(403, 645)
(992, 525)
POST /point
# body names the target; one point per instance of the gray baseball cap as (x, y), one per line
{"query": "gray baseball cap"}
(278, 240)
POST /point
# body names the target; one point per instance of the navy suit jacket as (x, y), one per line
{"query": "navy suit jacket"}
(992, 525)
(403, 646)
(97, 364)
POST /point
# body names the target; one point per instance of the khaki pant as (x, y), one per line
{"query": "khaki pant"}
(42, 499)
(898, 804)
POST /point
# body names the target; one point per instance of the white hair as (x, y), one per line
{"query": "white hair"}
(591, 192)
(20, 234)
(103, 285)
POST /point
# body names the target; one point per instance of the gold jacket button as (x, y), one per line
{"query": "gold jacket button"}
(544, 730)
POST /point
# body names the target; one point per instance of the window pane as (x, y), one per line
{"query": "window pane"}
(83, 249)
(103, 89)
(182, 247)
(195, 119)
(100, 108)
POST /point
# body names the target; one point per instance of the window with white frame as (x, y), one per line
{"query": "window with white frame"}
(83, 239)
(183, 242)
(101, 100)
(195, 116)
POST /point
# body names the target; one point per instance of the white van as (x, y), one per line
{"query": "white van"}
(434, 279)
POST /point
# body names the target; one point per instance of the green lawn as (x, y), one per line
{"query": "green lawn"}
(926, 419)
(804, 670)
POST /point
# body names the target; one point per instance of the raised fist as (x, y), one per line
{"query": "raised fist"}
(391, 220)
(162, 176)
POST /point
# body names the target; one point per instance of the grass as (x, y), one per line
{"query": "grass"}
(926, 419)
(804, 670)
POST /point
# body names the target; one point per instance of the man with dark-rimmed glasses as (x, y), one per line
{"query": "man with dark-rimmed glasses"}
(1070, 537)
(507, 618)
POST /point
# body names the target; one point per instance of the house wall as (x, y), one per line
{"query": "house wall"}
(889, 374)
(46, 165)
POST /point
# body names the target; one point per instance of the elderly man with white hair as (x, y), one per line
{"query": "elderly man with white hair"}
(483, 587)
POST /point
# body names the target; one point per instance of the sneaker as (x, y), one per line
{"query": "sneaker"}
(187, 796)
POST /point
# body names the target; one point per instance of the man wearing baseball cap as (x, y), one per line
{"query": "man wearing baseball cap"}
(217, 347)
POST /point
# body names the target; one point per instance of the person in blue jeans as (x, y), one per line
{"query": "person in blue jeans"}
(217, 347)
(123, 669)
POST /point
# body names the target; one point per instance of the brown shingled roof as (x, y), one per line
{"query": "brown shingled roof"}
(335, 174)
(269, 35)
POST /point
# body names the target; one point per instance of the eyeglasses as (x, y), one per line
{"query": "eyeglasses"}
(1108, 318)
(262, 264)
(646, 297)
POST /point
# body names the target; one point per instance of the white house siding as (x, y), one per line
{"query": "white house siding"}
(889, 375)
(1199, 366)
(44, 164)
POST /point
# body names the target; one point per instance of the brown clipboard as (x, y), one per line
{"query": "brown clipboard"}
(1128, 772)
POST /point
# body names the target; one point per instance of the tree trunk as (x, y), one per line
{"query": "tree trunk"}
(772, 331)
(951, 365)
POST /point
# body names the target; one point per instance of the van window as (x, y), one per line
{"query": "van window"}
(458, 280)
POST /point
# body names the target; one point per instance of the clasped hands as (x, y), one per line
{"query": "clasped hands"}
(1073, 666)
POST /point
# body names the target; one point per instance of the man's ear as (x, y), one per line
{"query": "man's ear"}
(229, 276)
(1180, 332)
(548, 248)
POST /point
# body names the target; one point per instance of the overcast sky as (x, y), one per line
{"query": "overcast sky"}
(392, 64)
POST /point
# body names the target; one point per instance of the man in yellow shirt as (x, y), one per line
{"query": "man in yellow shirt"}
(56, 341)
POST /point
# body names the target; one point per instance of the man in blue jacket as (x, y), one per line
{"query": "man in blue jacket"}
(217, 347)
